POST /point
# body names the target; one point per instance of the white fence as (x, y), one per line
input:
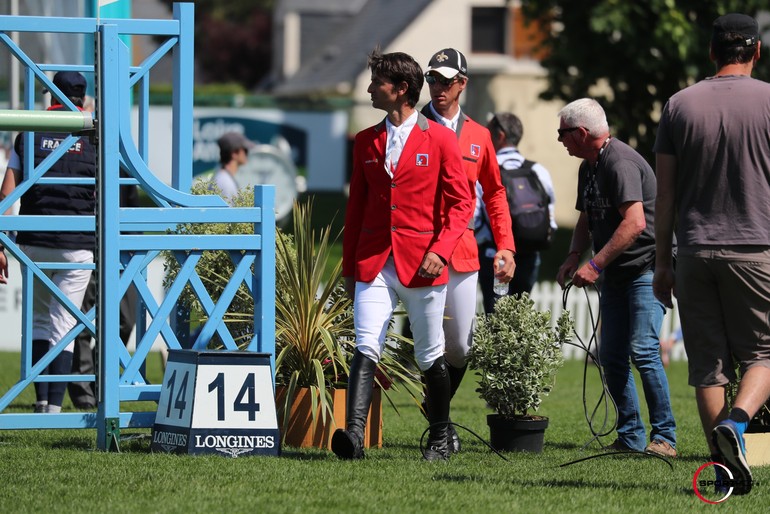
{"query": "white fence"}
(547, 296)
(582, 304)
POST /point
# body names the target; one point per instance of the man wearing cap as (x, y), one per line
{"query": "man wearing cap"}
(51, 321)
(233, 153)
(713, 171)
(447, 77)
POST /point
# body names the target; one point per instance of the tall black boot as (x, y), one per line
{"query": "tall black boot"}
(39, 349)
(455, 379)
(438, 391)
(349, 443)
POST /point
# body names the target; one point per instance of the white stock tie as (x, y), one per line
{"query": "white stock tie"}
(394, 147)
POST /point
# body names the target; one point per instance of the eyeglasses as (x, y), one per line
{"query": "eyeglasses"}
(432, 79)
(563, 131)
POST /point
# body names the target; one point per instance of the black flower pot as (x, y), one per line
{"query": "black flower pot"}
(518, 434)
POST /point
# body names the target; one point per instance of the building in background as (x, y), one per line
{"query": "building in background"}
(320, 50)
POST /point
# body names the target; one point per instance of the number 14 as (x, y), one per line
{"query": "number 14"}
(248, 390)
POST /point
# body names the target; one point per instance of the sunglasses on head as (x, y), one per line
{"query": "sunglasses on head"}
(432, 79)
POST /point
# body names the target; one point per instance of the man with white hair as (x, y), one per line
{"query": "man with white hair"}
(616, 198)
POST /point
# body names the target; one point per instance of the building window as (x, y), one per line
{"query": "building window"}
(488, 29)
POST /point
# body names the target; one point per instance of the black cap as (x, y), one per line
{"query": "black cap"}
(740, 24)
(234, 141)
(71, 83)
(448, 62)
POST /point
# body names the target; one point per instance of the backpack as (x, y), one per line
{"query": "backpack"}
(528, 203)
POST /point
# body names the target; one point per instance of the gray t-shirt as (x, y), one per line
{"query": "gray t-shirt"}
(621, 175)
(719, 131)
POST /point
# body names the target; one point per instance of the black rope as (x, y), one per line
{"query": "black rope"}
(457, 425)
(605, 399)
(629, 453)
(592, 357)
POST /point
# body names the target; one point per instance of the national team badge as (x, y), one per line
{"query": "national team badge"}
(422, 159)
(475, 150)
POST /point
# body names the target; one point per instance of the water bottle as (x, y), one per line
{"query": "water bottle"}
(500, 288)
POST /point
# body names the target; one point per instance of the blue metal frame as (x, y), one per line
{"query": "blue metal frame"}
(123, 255)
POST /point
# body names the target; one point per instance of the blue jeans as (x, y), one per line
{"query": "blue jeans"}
(631, 320)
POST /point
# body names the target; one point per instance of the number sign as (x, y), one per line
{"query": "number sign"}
(218, 402)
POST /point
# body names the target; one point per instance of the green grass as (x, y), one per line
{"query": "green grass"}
(60, 470)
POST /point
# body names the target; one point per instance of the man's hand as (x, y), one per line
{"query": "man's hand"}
(585, 276)
(432, 266)
(505, 273)
(567, 269)
(3, 268)
(663, 285)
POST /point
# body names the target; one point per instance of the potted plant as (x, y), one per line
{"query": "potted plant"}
(517, 352)
(314, 333)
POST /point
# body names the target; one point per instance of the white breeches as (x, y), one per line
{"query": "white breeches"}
(50, 320)
(375, 303)
(460, 316)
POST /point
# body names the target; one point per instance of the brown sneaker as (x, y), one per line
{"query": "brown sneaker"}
(662, 448)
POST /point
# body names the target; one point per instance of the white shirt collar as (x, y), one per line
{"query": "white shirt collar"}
(452, 124)
(405, 127)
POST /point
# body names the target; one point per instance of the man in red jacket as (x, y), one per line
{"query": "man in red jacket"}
(447, 77)
(409, 205)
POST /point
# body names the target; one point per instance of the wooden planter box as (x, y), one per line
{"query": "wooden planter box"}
(757, 448)
(300, 434)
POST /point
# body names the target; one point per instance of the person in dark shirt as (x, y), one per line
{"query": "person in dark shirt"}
(51, 320)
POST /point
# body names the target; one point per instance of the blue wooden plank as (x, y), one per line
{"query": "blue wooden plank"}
(87, 25)
(191, 242)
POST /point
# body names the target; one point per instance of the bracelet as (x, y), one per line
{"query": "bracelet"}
(575, 252)
(596, 268)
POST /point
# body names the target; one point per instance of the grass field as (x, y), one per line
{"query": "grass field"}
(60, 471)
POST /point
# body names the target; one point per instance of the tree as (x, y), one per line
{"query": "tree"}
(233, 40)
(630, 56)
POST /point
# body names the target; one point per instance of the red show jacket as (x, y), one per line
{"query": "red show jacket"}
(480, 164)
(426, 206)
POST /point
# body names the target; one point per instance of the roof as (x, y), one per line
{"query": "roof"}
(336, 66)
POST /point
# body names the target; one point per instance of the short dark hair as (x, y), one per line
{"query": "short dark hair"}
(398, 67)
(728, 49)
(510, 125)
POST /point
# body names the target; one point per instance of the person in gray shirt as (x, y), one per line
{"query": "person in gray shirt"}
(713, 173)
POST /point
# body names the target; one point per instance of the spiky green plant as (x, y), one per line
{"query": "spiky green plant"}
(314, 331)
(517, 352)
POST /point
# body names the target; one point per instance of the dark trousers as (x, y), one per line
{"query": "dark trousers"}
(527, 269)
(84, 357)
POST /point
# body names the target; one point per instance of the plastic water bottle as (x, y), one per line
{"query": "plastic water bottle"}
(500, 288)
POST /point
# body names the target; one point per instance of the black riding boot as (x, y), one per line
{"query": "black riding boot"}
(438, 391)
(349, 443)
(455, 379)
